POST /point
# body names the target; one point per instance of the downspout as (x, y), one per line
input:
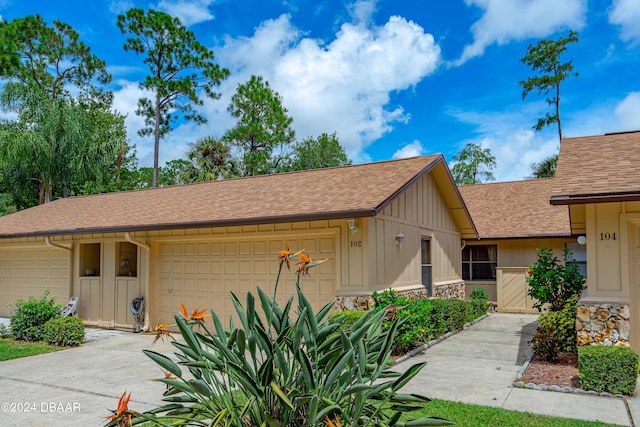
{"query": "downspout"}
(127, 236)
(48, 242)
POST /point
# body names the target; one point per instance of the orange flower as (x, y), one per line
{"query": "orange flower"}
(331, 424)
(305, 260)
(306, 263)
(195, 314)
(529, 271)
(284, 256)
(161, 332)
(168, 376)
(122, 414)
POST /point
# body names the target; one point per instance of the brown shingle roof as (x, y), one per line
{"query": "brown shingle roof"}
(515, 209)
(360, 190)
(598, 169)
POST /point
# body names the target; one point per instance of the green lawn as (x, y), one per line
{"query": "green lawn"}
(465, 415)
(10, 349)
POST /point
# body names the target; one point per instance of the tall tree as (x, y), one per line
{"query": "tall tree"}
(43, 66)
(50, 59)
(546, 168)
(181, 69)
(322, 152)
(474, 165)
(263, 126)
(210, 160)
(544, 58)
(55, 142)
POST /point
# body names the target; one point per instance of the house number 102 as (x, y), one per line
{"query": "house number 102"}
(607, 236)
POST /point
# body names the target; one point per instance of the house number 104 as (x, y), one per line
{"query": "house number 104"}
(607, 236)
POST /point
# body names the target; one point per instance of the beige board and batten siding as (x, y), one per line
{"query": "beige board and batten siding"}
(29, 270)
(104, 287)
(419, 212)
(200, 268)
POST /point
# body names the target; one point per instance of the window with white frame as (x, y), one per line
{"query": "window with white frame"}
(479, 262)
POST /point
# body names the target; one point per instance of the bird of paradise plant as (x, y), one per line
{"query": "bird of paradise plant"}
(121, 416)
(195, 316)
(280, 368)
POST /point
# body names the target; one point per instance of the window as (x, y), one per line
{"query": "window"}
(425, 249)
(578, 256)
(479, 262)
(127, 259)
(89, 259)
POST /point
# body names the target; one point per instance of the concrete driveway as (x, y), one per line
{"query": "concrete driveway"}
(77, 387)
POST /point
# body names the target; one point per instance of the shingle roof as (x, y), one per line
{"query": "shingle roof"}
(360, 190)
(598, 169)
(515, 209)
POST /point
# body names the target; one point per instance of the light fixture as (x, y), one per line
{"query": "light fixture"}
(399, 239)
(353, 225)
(582, 240)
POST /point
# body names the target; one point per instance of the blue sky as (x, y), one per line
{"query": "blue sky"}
(391, 78)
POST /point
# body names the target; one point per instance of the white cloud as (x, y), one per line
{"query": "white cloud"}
(627, 112)
(120, 6)
(626, 13)
(125, 101)
(362, 10)
(410, 150)
(507, 20)
(189, 11)
(511, 140)
(343, 86)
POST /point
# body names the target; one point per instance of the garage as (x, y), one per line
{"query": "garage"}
(29, 271)
(202, 274)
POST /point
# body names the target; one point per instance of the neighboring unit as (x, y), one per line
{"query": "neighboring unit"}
(513, 220)
(598, 178)
(397, 224)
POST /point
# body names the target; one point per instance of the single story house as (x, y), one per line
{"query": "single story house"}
(513, 219)
(598, 178)
(395, 224)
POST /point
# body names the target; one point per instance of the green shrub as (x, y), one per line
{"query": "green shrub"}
(29, 317)
(556, 332)
(545, 344)
(455, 313)
(5, 331)
(479, 293)
(476, 308)
(280, 368)
(552, 281)
(611, 369)
(388, 298)
(423, 320)
(563, 324)
(64, 331)
(348, 317)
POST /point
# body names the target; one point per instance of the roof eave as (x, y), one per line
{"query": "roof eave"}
(594, 198)
(527, 236)
(200, 224)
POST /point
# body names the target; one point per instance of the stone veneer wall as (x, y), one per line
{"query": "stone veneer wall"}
(606, 324)
(360, 302)
(449, 291)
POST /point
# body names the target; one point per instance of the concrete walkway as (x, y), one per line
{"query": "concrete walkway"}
(480, 364)
(77, 387)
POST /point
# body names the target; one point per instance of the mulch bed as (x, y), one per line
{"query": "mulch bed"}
(563, 371)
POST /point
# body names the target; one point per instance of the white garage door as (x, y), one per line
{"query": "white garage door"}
(26, 272)
(204, 273)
